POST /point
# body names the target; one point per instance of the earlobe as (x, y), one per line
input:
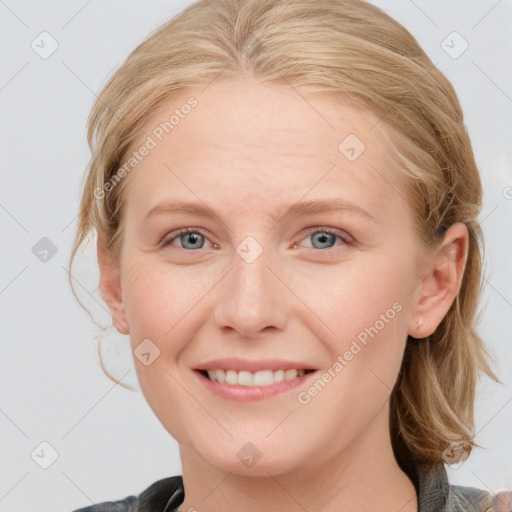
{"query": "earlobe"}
(441, 278)
(110, 286)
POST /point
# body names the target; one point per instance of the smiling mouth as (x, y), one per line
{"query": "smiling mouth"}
(249, 379)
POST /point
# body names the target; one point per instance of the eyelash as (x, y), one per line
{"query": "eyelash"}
(345, 238)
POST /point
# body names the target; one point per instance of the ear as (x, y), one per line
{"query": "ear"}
(441, 278)
(110, 286)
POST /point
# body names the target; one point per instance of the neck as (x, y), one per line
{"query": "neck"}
(362, 476)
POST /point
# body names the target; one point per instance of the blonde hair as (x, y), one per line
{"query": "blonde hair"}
(352, 48)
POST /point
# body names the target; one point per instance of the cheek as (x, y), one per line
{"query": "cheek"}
(167, 396)
(157, 307)
(355, 297)
(157, 301)
(368, 312)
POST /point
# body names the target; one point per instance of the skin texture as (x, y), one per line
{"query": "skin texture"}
(247, 151)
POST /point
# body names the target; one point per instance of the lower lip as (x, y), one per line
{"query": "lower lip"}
(251, 393)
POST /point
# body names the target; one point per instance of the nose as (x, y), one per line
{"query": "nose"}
(252, 297)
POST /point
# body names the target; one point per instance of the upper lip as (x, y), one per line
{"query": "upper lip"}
(233, 363)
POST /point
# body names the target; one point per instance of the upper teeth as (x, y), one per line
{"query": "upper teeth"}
(261, 378)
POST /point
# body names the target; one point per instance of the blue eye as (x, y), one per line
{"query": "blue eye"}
(327, 236)
(323, 238)
(189, 238)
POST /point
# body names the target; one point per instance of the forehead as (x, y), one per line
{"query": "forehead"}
(245, 144)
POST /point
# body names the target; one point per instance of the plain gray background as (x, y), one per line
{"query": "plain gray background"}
(107, 441)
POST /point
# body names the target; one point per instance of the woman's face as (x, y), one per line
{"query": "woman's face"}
(263, 289)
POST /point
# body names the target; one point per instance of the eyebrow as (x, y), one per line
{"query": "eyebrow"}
(302, 208)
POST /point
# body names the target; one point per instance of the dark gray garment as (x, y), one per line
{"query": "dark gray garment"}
(434, 492)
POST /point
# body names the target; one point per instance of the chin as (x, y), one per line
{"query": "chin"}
(252, 459)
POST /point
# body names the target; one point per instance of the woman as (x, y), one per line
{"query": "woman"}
(286, 201)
